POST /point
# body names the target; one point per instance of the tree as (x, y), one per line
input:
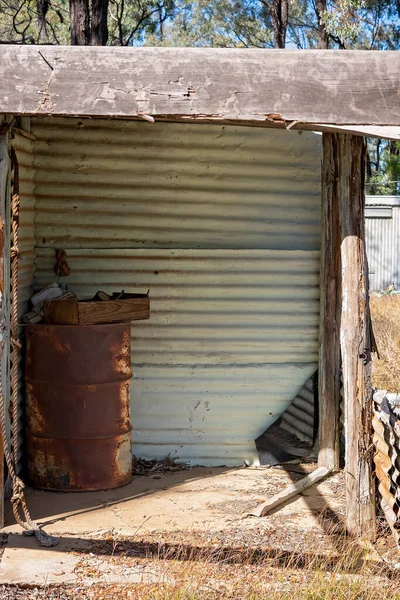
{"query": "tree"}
(134, 21)
(383, 167)
(362, 24)
(323, 36)
(88, 22)
(279, 11)
(83, 22)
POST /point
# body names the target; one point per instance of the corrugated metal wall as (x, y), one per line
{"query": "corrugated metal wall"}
(383, 242)
(222, 224)
(23, 146)
(24, 150)
(141, 185)
(299, 417)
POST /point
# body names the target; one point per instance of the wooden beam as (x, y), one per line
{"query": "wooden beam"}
(386, 133)
(225, 85)
(329, 349)
(350, 154)
(292, 490)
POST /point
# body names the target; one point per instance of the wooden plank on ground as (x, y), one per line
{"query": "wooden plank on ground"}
(292, 490)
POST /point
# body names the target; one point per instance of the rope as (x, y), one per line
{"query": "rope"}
(18, 500)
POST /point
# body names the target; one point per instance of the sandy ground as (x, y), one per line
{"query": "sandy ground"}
(181, 512)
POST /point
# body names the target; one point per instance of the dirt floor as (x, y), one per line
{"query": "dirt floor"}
(128, 536)
(195, 507)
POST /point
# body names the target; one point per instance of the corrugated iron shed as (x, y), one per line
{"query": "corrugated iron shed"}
(222, 224)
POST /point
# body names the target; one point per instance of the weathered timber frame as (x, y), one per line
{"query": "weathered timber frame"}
(343, 94)
(301, 89)
(4, 279)
(345, 328)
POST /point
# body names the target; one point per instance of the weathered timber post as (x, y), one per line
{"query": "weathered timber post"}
(355, 340)
(329, 348)
(4, 173)
(346, 155)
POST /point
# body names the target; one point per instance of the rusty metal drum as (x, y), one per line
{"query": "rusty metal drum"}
(78, 429)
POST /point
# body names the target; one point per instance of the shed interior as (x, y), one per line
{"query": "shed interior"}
(222, 225)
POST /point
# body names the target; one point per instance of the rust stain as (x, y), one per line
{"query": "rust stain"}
(61, 268)
(275, 118)
(77, 406)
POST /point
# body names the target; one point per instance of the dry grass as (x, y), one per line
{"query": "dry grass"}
(385, 313)
(350, 573)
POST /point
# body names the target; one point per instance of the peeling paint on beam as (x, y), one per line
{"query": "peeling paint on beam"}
(253, 86)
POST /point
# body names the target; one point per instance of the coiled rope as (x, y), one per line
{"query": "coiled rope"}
(18, 500)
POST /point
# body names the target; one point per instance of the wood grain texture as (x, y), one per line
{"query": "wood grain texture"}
(239, 85)
(354, 338)
(4, 257)
(114, 311)
(72, 312)
(387, 133)
(64, 312)
(329, 349)
(289, 492)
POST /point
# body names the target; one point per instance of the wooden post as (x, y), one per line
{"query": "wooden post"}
(4, 174)
(345, 328)
(350, 153)
(329, 349)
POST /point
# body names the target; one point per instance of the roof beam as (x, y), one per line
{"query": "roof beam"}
(226, 85)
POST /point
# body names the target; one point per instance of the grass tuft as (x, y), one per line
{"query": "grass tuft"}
(385, 312)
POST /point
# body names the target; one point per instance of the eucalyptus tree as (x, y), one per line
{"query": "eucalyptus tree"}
(83, 22)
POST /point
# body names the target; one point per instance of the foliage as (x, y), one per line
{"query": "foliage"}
(364, 24)
(219, 23)
(48, 21)
(369, 24)
(131, 22)
(19, 22)
(383, 168)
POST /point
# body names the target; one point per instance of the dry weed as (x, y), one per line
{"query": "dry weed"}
(385, 312)
(349, 573)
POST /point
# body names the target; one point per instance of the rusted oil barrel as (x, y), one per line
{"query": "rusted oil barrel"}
(77, 406)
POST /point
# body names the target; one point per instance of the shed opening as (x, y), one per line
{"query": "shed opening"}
(222, 224)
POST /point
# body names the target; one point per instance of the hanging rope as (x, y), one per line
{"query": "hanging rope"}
(18, 500)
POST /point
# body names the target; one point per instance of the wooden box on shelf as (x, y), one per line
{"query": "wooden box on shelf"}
(71, 311)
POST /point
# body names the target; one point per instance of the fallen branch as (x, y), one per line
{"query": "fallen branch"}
(290, 491)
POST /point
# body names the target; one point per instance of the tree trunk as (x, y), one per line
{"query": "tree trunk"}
(279, 14)
(80, 22)
(323, 38)
(99, 35)
(350, 154)
(42, 7)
